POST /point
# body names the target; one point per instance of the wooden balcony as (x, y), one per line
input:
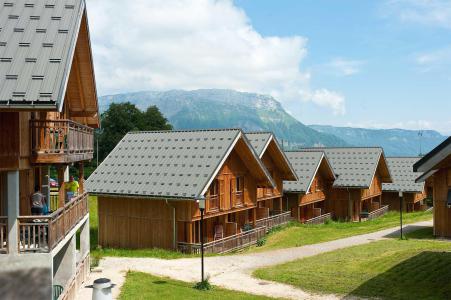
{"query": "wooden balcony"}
(43, 233)
(278, 218)
(227, 244)
(60, 141)
(3, 235)
(321, 219)
(375, 213)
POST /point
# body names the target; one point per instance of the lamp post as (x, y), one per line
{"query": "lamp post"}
(400, 210)
(201, 202)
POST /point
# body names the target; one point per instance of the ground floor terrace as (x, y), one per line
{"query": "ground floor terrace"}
(410, 201)
(308, 209)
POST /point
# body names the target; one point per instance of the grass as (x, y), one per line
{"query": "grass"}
(416, 268)
(97, 253)
(295, 234)
(145, 286)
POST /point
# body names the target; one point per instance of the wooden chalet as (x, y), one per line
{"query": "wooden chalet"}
(436, 167)
(269, 210)
(357, 190)
(306, 197)
(401, 169)
(48, 109)
(149, 185)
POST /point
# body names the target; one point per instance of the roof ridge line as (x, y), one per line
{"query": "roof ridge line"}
(183, 130)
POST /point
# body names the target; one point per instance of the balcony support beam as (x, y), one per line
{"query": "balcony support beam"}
(13, 210)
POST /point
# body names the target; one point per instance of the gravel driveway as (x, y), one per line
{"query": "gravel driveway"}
(234, 271)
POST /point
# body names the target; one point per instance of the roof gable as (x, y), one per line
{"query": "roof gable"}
(435, 158)
(37, 45)
(306, 165)
(169, 164)
(401, 169)
(264, 143)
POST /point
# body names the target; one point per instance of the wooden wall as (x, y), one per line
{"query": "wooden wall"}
(139, 223)
(442, 214)
(375, 189)
(232, 168)
(3, 199)
(276, 174)
(340, 206)
(392, 200)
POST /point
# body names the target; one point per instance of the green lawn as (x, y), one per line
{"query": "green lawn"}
(295, 234)
(145, 286)
(417, 268)
(97, 253)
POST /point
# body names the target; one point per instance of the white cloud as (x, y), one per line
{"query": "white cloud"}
(432, 60)
(346, 67)
(190, 44)
(324, 97)
(425, 12)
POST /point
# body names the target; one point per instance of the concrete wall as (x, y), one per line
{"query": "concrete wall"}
(26, 276)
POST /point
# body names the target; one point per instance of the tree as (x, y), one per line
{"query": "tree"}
(121, 118)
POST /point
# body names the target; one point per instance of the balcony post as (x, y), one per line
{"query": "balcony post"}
(13, 211)
(62, 170)
(81, 177)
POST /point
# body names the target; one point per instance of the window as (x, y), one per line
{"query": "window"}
(213, 201)
(214, 188)
(239, 184)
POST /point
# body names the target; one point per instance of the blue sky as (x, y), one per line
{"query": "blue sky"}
(385, 84)
(374, 64)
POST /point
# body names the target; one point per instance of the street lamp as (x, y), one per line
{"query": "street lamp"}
(400, 209)
(201, 201)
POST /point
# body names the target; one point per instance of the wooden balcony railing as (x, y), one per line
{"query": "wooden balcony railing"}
(43, 233)
(277, 219)
(227, 244)
(3, 235)
(319, 220)
(378, 212)
(239, 199)
(213, 203)
(60, 141)
(81, 275)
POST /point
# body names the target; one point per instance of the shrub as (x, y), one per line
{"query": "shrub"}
(203, 285)
(261, 241)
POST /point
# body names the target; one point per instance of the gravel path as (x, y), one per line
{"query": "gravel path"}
(234, 271)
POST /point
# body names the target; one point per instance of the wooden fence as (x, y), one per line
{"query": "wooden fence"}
(3, 235)
(319, 220)
(61, 137)
(43, 233)
(274, 220)
(227, 244)
(81, 275)
(378, 212)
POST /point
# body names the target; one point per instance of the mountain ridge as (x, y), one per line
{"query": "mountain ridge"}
(217, 108)
(222, 108)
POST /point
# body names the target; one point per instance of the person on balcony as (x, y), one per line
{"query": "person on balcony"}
(71, 188)
(38, 202)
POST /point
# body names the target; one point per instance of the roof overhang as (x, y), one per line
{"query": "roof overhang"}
(433, 159)
(425, 176)
(249, 158)
(282, 162)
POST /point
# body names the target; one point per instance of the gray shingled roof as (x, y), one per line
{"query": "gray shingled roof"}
(354, 166)
(37, 42)
(259, 141)
(305, 164)
(403, 175)
(173, 164)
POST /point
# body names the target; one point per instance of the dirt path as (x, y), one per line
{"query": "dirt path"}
(234, 271)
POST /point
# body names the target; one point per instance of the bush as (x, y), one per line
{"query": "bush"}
(261, 241)
(247, 227)
(203, 285)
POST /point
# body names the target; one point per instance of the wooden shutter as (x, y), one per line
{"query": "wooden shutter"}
(221, 193)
